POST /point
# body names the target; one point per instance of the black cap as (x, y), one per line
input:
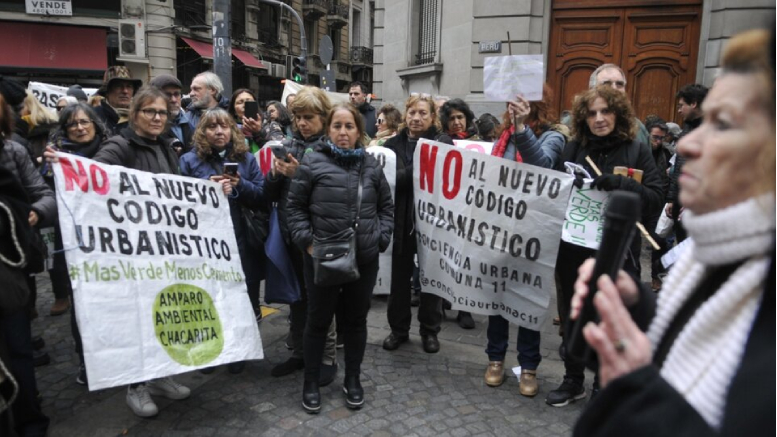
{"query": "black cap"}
(77, 92)
(165, 80)
(13, 92)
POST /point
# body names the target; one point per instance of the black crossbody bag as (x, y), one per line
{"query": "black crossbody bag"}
(334, 257)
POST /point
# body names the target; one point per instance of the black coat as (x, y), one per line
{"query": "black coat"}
(322, 202)
(110, 118)
(276, 187)
(673, 195)
(642, 403)
(404, 217)
(368, 115)
(132, 151)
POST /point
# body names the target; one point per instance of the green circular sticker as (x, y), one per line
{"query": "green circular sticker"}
(187, 324)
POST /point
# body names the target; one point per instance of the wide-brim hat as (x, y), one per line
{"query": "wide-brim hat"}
(118, 73)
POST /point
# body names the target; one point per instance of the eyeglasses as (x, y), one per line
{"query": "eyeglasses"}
(381, 121)
(176, 95)
(79, 123)
(657, 137)
(152, 113)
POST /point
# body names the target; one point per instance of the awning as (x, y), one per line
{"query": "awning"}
(248, 59)
(46, 46)
(205, 50)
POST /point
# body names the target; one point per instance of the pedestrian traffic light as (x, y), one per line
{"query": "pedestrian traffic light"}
(299, 70)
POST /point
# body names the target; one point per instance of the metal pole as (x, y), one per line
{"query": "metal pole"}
(303, 41)
(222, 44)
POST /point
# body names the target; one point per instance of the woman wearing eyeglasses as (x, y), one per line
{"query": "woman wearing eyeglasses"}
(387, 123)
(80, 133)
(141, 147)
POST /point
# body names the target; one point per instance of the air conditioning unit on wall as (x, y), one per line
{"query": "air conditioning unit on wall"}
(132, 38)
(279, 70)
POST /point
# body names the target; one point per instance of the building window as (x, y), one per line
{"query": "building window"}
(268, 25)
(238, 22)
(190, 13)
(427, 32)
(311, 34)
(334, 34)
(356, 32)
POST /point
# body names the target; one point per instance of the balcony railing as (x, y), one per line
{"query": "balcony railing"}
(361, 55)
(338, 9)
(315, 9)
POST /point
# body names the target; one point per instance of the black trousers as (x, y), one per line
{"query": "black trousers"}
(570, 258)
(399, 313)
(322, 303)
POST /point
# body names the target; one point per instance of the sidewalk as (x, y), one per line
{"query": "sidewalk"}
(408, 392)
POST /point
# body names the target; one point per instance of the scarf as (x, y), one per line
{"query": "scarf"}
(705, 356)
(594, 142)
(501, 145)
(344, 156)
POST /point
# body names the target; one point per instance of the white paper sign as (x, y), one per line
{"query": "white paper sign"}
(388, 160)
(488, 231)
(504, 77)
(157, 277)
(584, 219)
(49, 95)
(49, 7)
(475, 146)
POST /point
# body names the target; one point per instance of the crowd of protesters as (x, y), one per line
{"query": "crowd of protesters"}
(323, 183)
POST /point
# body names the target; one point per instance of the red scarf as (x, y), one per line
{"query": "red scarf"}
(463, 135)
(501, 145)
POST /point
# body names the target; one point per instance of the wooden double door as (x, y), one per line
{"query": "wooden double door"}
(655, 42)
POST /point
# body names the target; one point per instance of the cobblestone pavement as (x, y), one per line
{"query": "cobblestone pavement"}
(407, 392)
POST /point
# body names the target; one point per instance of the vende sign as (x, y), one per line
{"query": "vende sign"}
(49, 7)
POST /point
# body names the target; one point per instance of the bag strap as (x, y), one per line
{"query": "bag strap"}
(359, 195)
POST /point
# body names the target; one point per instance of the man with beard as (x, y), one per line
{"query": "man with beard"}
(205, 92)
(179, 119)
(118, 89)
(357, 92)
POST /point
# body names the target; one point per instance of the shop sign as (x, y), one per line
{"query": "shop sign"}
(49, 7)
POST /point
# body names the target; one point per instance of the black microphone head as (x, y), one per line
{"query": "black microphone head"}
(624, 205)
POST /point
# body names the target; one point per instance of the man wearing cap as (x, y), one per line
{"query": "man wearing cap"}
(205, 93)
(78, 93)
(118, 89)
(180, 128)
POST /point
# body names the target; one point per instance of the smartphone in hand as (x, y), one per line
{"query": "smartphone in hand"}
(230, 168)
(252, 110)
(280, 153)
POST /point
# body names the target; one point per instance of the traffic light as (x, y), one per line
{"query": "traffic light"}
(299, 69)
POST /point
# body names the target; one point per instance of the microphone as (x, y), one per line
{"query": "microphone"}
(620, 218)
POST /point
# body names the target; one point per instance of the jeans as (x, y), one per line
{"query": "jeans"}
(498, 333)
(322, 304)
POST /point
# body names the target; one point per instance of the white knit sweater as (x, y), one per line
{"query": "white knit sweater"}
(707, 353)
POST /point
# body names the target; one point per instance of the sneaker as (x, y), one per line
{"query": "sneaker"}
(81, 378)
(140, 402)
(168, 388)
(568, 391)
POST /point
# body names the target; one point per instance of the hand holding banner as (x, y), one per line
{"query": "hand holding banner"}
(156, 272)
(488, 231)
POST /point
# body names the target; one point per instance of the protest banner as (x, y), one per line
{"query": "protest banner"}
(476, 146)
(504, 77)
(584, 219)
(388, 160)
(156, 272)
(488, 231)
(49, 95)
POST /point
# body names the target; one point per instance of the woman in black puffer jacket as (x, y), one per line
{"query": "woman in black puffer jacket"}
(323, 202)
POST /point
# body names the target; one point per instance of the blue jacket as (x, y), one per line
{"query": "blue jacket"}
(543, 152)
(248, 193)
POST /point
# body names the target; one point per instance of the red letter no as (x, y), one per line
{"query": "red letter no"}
(427, 162)
(447, 190)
